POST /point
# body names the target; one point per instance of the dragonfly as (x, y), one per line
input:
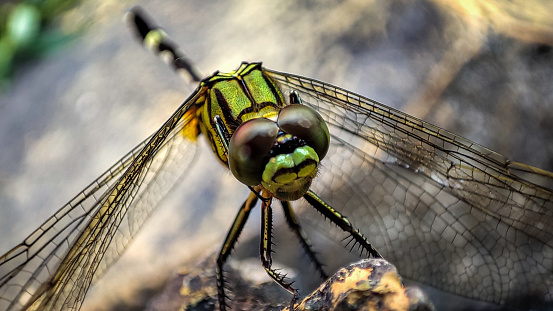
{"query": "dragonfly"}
(446, 211)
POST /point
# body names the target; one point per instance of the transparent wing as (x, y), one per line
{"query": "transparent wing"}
(446, 211)
(54, 267)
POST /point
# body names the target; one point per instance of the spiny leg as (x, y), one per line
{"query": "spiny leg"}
(294, 225)
(341, 221)
(265, 250)
(228, 245)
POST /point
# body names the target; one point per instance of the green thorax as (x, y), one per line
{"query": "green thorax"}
(236, 97)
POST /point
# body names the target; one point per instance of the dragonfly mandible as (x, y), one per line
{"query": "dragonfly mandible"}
(379, 159)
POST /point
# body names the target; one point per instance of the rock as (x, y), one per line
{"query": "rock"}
(369, 284)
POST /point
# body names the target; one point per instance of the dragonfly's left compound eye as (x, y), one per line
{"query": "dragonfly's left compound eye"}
(249, 147)
(307, 124)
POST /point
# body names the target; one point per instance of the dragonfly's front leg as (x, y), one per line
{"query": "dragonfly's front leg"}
(341, 221)
(265, 249)
(230, 241)
(294, 225)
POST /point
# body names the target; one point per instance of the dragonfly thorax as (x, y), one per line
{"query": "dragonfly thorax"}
(236, 97)
(270, 143)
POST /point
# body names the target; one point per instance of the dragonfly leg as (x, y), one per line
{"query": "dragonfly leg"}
(295, 98)
(222, 131)
(228, 245)
(341, 221)
(265, 249)
(294, 225)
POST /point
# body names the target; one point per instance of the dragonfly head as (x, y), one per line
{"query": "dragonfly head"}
(283, 155)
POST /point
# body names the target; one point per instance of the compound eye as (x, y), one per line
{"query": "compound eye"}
(307, 124)
(248, 149)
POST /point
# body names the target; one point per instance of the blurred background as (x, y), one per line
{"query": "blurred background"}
(78, 92)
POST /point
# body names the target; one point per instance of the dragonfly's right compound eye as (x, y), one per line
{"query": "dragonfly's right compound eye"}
(249, 147)
(307, 124)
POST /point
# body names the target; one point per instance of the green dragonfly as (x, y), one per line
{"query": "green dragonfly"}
(471, 221)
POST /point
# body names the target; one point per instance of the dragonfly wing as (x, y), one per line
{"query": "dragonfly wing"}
(54, 267)
(446, 211)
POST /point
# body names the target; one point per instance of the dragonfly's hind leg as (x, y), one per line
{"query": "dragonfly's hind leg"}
(294, 225)
(341, 221)
(265, 249)
(230, 241)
